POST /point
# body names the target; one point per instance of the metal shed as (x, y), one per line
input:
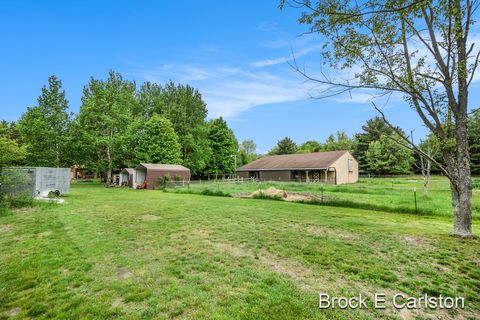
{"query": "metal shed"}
(40, 181)
(127, 177)
(152, 172)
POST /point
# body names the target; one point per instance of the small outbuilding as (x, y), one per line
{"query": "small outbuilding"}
(333, 167)
(127, 177)
(39, 181)
(151, 173)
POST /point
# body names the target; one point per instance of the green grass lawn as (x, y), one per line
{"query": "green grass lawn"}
(123, 253)
(382, 194)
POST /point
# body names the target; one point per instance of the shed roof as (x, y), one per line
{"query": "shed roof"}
(129, 170)
(316, 160)
(163, 167)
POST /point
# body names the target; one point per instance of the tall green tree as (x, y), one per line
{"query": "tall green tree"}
(339, 141)
(224, 147)
(247, 152)
(421, 50)
(43, 128)
(371, 131)
(10, 130)
(309, 147)
(385, 156)
(185, 108)
(474, 140)
(104, 119)
(10, 152)
(158, 143)
(284, 146)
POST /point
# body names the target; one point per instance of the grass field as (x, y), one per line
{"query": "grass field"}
(131, 254)
(381, 194)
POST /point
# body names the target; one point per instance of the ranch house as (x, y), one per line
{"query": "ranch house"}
(333, 167)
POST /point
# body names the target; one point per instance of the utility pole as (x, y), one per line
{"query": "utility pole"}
(234, 165)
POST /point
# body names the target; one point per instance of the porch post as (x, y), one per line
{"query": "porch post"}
(307, 179)
(326, 175)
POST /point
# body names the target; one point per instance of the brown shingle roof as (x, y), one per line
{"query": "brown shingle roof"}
(163, 167)
(316, 160)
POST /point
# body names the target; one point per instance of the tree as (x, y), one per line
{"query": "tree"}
(284, 146)
(10, 152)
(184, 107)
(431, 147)
(338, 142)
(10, 130)
(105, 116)
(247, 152)
(159, 143)
(43, 128)
(385, 156)
(418, 49)
(371, 131)
(224, 147)
(310, 146)
(474, 140)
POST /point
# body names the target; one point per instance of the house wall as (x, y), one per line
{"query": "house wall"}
(153, 177)
(284, 175)
(344, 175)
(243, 174)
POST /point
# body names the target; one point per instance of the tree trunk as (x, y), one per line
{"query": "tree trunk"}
(461, 180)
(426, 180)
(109, 173)
(462, 207)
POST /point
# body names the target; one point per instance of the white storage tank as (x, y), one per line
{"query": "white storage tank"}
(39, 180)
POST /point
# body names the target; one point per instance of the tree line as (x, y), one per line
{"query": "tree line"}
(119, 125)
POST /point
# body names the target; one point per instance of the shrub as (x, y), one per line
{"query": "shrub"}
(218, 193)
(476, 183)
(263, 195)
(15, 191)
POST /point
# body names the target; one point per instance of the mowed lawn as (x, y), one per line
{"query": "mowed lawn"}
(122, 253)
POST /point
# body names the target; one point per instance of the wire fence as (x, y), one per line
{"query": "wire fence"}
(368, 183)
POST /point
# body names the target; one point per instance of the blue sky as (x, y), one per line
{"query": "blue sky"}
(234, 52)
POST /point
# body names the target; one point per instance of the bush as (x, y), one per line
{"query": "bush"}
(218, 193)
(476, 183)
(263, 195)
(15, 191)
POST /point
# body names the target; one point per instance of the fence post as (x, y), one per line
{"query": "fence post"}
(322, 192)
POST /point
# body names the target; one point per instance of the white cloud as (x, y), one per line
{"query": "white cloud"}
(229, 91)
(283, 59)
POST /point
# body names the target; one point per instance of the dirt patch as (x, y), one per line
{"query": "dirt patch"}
(117, 303)
(124, 273)
(283, 195)
(45, 234)
(270, 192)
(12, 312)
(5, 227)
(417, 241)
(319, 231)
(150, 217)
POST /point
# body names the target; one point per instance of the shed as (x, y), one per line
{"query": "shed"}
(127, 177)
(39, 181)
(152, 172)
(334, 167)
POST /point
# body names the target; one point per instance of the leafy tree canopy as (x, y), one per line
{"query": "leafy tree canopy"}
(224, 147)
(159, 143)
(44, 127)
